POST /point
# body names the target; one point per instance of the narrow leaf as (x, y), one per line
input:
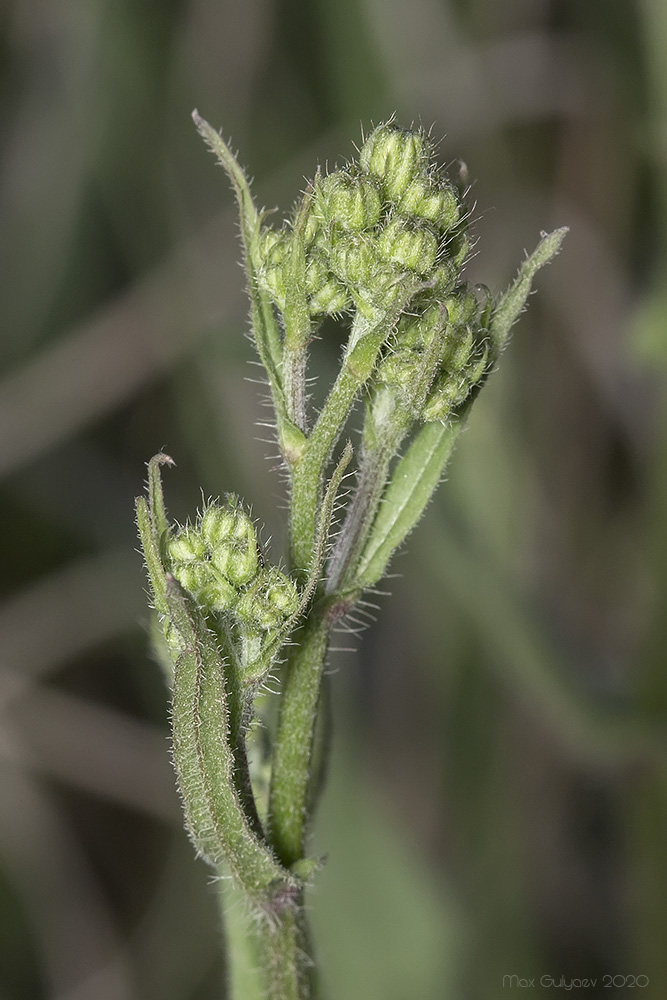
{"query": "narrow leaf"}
(411, 487)
(151, 552)
(236, 174)
(204, 760)
(155, 494)
(263, 319)
(512, 301)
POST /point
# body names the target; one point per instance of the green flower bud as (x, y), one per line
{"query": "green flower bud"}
(449, 393)
(186, 545)
(273, 252)
(326, 295)
(281, 593)
(466, 365)
(427, 199)
(313, 228)
(268, 239)
(232, 542)
(351, 201)
(270, 600)
(209, 589)
(399, 368)
(457, 348)
(396, 156)
(355, 261)
(478, 364)
(462, 307)
(238, 563)
(331, 298)
(317, 271)
(458, 249)
(409, 243)
(419, 330)
(217, 525)
(444, 278)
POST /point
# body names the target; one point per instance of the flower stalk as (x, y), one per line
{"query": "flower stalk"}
(380, 245)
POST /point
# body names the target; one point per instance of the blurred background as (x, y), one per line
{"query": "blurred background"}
(497, 803)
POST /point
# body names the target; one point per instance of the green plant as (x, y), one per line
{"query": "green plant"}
(379, 244)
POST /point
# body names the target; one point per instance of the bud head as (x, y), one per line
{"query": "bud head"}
(409, 243)
(217, 525)
(426, 198)
(186, 545)
(351, 201)
(269, 601)
(354, 260)
(395, 156)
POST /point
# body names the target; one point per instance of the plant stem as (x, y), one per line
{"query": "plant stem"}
(371, 481)
(366, 339)
(244, 975)
(288, 967)
(269, 957)
(294, 740)
(294, 377)
(308, 474)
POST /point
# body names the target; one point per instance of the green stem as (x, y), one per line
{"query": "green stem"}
(308, 473)
(294, 378)
(269, 958)
(289, 970)
(293, 749)
(367, 336)
(244, 973)
(371, 482)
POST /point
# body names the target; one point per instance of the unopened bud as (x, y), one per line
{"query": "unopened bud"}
(351, 201)
(269, 601)
(400, 368)
(273, 251)
(232, 540)
(186, 545)
(209, 589)
(355, 261)
(478, 364)
(457, 349)
(448, 394)
(395, 156)
(326, 295)
(217, 525)
(410, 243)
(427, 199)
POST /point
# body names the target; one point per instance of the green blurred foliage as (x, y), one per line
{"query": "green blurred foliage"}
(498, 802)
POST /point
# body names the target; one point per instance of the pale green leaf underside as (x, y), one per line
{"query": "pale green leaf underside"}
(412, 484)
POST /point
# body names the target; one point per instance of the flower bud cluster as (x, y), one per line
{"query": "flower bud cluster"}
(218, 560)
(389, 215)
(460, 322)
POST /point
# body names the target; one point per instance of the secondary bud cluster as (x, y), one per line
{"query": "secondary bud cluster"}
(460, 322)
(389, 215)
(218, 560)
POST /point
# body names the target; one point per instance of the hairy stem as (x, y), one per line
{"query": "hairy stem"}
(244, 971)
(371, 481)
(289, 969)
(366, 339)
(268, 958)
(294, 378)
(292, 755)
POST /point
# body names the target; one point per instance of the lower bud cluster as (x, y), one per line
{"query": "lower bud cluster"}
(218, 560)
